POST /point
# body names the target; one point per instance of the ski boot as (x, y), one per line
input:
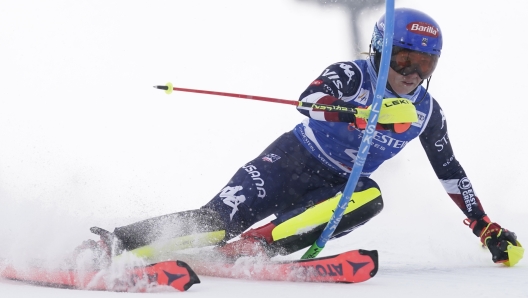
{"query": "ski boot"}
(97, 254)
(253, 243)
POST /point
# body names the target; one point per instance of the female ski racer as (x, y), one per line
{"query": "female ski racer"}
(299, 177)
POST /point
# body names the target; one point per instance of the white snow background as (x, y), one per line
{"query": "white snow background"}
(85, 140)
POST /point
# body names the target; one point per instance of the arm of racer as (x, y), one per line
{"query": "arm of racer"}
(337, 85)
(437, 146)
(436, 143)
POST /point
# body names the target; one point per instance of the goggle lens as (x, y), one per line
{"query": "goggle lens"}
(406, 62)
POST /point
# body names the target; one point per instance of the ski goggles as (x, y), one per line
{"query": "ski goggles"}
(406, 62)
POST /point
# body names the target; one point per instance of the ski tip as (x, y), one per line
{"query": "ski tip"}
(193, 277)
(176, 274)
(373, 254)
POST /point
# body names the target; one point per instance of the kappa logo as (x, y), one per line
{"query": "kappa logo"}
(229, 197)
(348, 71)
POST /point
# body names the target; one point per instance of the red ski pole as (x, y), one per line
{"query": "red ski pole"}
(169, 88)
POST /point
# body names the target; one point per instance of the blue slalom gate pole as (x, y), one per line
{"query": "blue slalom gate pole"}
(361, 157)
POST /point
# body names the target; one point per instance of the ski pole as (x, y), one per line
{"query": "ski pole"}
(169, 88)
(361, 113)
(350, 186)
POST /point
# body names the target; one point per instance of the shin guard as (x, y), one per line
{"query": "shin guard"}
(304, 229)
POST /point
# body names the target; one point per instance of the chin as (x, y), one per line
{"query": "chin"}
(407, 90)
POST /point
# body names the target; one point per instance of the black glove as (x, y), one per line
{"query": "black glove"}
(502, 243)
(345, 116)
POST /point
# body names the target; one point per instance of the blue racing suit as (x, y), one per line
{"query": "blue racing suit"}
(298, 172)
(311, 164)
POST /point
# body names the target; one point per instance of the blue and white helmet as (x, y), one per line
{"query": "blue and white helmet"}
(413, 30)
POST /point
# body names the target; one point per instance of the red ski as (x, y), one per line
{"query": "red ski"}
(176, 274)
(348, 267)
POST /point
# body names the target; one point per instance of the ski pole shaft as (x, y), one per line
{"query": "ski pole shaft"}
(252, 97)
(361, 156)
(329, 108)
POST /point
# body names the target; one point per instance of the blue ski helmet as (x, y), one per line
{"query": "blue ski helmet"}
(413, 30)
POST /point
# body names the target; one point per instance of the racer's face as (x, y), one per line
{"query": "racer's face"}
(405, 62)
(408, 68)
(403, 84)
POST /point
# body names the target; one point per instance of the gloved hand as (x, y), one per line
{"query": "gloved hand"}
(395, 115)
(502, 243)
(392, 127)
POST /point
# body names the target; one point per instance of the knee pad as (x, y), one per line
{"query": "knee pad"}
(303, 230)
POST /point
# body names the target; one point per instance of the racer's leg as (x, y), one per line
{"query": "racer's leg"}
(300, 228)
(276, 180)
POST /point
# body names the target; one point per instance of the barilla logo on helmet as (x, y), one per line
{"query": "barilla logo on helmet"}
(423, 29)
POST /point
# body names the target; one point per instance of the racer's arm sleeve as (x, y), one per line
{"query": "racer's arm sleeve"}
(337, 85)
(437, 146)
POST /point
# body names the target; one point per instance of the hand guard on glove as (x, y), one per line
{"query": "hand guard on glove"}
(392, 127)
(395, 115)
(502, 243)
